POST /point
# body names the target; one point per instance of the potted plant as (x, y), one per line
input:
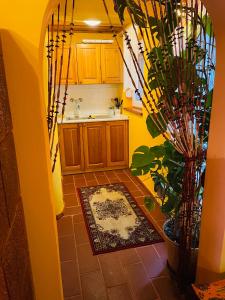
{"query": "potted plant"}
(117, 105)
(165, 165)
(178, 89)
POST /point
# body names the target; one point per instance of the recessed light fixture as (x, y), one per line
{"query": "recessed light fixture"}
(92, 23)
(97, 41)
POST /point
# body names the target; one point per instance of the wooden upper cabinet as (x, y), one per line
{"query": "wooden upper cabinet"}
(88, 63)
(117, 143)
(71, 148)
(111, 64)
(72, 75)
(94, 145)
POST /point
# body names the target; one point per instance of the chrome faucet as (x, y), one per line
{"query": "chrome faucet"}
(77, 102)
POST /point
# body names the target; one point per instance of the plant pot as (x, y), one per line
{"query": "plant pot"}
(111, 112)
(117, 111)
(173, 254)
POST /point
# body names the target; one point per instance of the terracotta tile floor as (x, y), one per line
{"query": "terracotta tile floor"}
(137, 274)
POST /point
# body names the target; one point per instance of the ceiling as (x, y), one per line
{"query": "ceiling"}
(90, 9)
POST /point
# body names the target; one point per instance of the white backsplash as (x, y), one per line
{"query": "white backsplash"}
(96, 97)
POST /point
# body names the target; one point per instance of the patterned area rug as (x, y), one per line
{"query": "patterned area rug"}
(114, 220)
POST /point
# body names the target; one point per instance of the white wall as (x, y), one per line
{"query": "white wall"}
(96, 97)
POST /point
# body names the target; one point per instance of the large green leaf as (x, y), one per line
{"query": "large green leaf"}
(142, 161)
(175, 178)
(139, 171)
(149, 203)
(157, 151)
(142, 157)
(119, 7)
(170, 204)
(156, 164)
(152, 127)
(153, 84)
(136, 11)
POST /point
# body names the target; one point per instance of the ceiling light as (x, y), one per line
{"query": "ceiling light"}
(91, 41)
(92, 22)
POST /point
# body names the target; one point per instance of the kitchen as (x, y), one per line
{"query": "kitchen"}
(98, 129)
(94, 133)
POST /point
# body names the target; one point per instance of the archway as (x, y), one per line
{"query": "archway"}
(23, 45)
(211, 264)
(21, 50)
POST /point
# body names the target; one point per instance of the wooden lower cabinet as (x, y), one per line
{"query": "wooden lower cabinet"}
(93, 146)
(71, 148)
(117, 143)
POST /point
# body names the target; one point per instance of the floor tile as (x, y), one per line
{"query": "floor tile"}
(120, 292)
(67, 179)
(161, 250)
(90, 176)
(112, 176)
(70, 200)
(93, 286)
(67, 247)
(87, 261)
(119, 171)
(69, 189)
(65, 226)
(166, 288)
(140, 283)
(137, 193)
(157, 214)
(160, 224)
(131, 186)
(102, 180)
(81, 235)
(140, 200)
(128, 256)
(110, 173)
(92, 182)
(78, 176)
(123, 177)
(127, 273)
(153, 264)
(78, 297)
(112, 269)
(71, 286)
(79, 182)
(114, 180)
(78, 219)
(73, 210)
(99, 173)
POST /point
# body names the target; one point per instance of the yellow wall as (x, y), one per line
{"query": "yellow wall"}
(22, 21)
(211, 263)
(57, 186)
(22, 24)
(57, 174)
(138, 136)
(138, 132)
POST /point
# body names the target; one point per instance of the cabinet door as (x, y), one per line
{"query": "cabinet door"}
(117, 143)
(72, 75)
(71, 148)
(88, 62)
(111, 63)
(94, 145)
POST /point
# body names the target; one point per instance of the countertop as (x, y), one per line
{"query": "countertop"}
(97, 118)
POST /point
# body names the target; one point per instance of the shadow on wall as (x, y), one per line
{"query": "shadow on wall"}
(24, 78)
